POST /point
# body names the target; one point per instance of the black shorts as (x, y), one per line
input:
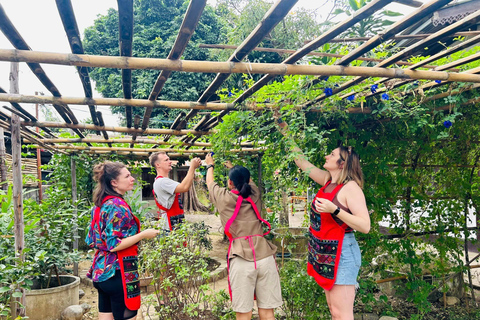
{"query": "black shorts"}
(111, 298)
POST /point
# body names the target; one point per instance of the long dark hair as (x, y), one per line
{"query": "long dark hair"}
(103, 174)
(240, 177)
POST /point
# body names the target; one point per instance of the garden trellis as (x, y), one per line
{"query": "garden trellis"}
(173, 63)
(181, 141)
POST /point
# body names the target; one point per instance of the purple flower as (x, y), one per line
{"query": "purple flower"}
(328, 92)
(438, 81)
(351, 97)
(230, 93)
(385, 96)
(447, 123)
(374, 88)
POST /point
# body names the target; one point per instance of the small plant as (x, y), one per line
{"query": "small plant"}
(303, 298)
(178, 263)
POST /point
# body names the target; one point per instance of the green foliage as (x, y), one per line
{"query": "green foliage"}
(156, 25)
(303, 298)
(178, 263)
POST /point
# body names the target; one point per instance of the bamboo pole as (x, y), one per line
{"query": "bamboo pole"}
(316, 54)
(3, 167)
(39, 162)
(118, 102)
(19, 306)
(125, 25)
(136, 141)
(73, 169)
(115, 129)
(189, 24)
(146, 150)
(228, 67)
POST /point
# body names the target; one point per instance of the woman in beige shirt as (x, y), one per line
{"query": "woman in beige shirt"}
(252, 268)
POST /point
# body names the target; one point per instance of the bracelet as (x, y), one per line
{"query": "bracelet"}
(210, 166)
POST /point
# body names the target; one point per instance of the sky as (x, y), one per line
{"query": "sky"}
(40, 25)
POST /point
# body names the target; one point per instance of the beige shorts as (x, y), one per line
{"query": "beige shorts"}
(246, 281)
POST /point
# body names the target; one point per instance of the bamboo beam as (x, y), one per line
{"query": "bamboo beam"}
(407, 36)
(149, 150)
(388, 33)
(127, 140)
(411, 3)
(69, 22)
(147, 131)
(189, 24)
(317, 54)
(73, 169)
(17, 195)
(271, 18)
(330, 34)
(3, 166)
(423, 63)
(392, 30)
(118, 102)
(125, 35)
(437, 36)
(229, 67)
(17, 41)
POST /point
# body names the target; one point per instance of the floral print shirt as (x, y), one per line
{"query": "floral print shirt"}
(116, 222)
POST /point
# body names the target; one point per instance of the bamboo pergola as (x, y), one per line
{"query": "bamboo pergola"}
(394, 71)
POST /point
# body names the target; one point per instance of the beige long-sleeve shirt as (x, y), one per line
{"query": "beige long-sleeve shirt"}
(245, 224)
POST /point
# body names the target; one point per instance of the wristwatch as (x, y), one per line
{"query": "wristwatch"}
(336, 211)
(210, 166)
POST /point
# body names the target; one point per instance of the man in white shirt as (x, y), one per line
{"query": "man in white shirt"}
(167, 191)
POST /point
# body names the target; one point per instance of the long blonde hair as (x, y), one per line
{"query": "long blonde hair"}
(351, 166)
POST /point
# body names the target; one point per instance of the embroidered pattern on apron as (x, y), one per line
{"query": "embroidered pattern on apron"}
(130, 266)
(322, 254)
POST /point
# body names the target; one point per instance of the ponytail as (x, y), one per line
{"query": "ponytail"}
(103, 174)
(240, 177)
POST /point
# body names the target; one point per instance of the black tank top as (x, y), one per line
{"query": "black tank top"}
(329, 189)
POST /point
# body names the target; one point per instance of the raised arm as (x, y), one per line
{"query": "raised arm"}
(316, 174)
(186, 183)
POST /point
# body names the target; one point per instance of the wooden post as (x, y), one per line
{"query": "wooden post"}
(39, 161)
(3, 167)
(19, 309)
(75, 217)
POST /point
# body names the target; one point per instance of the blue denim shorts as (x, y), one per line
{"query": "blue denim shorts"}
(350, 261)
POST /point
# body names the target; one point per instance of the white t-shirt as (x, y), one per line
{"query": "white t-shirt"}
(164, 189)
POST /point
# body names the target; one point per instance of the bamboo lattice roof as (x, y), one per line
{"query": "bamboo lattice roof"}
(138, 130)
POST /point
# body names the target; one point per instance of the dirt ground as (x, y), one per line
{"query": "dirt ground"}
(219, 250)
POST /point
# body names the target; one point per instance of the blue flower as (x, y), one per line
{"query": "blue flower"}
(296, 179)
(230, 93)
(385, 96)
(447, 123)
(328, 92)
(374, 88)
(415, 83)
(326, 78)
(438, 81)
(351, 97)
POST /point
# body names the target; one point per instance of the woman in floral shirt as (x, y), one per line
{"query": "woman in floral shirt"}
(114, 231)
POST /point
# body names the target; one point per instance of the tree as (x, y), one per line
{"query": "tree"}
(156, 25)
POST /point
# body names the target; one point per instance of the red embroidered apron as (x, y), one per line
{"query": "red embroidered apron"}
(128, 262)
(325, 244)
(175, 214)
(249, 238)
